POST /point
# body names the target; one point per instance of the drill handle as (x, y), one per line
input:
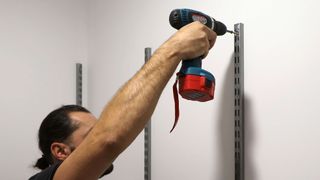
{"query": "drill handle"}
(196, 62)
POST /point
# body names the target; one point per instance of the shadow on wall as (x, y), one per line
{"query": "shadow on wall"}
(225, 126)
(226, 170)
(250, 172)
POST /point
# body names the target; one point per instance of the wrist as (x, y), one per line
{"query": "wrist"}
(170, 49)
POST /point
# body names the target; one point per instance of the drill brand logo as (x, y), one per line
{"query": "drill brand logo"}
(197, 17)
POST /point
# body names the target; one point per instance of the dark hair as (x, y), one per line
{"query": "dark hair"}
(56, 127)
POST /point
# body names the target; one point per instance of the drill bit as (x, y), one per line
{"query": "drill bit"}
(232, 32)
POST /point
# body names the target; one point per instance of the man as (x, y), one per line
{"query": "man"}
(96, 144)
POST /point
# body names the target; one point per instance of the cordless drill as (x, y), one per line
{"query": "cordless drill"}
(195, 83)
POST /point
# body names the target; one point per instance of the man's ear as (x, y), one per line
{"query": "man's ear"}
(60, 151)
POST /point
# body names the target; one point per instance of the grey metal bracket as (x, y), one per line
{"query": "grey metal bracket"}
(147, 134)
(239, 100)
(79, 84)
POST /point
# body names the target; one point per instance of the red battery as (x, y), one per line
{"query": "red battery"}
(196, 88)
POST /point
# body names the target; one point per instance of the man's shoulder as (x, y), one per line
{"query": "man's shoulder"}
(46, 174)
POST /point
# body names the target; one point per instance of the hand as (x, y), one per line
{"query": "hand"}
(193, 40)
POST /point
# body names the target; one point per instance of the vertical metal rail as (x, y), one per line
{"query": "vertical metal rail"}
(147, 134)
(79, 84)
(239, 100)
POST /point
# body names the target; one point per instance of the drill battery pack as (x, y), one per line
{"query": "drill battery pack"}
(196, 84)
(196, 88)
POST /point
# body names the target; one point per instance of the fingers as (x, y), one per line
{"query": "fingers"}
(211, 37)
(211, 43)
(206, 51)
(192, 40)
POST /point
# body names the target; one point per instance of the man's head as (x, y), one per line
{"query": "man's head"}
(61, 132)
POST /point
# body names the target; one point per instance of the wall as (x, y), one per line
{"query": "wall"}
(40, 43)
(282, 45)
(281, 87)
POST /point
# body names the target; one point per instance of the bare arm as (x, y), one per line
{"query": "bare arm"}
(130, 109)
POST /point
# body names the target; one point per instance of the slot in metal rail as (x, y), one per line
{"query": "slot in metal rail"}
(239, 100)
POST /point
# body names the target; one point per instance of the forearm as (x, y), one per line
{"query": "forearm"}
(122, 119)
(130, 109)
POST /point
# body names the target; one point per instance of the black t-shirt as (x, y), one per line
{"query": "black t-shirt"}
(46, 174)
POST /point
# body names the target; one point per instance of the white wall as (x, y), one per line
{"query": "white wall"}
(282, 85)
(40, 43)
(281, 88)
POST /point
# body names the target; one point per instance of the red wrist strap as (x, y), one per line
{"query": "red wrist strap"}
(176, 103)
